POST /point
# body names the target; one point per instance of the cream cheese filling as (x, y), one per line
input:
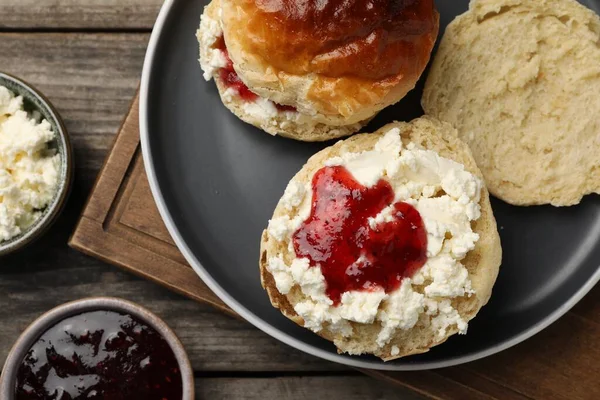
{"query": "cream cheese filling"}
(447, 197)
(28, 168)
(213, 60)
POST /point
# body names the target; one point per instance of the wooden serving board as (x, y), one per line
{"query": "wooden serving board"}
(121, 225)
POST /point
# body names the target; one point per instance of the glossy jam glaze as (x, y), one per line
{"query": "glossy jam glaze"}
(351, 254)
(372, 39)
(231, 79)
(100, 355)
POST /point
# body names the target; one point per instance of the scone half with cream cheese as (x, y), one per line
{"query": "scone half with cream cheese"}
(384, 243)
(314, 71)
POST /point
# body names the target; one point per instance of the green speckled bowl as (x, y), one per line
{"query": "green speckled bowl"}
(33, 100)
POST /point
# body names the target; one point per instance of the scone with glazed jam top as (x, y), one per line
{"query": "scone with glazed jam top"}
(314, 71)
(384, 243)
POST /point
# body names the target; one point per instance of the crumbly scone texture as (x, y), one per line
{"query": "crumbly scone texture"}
(482, 263)
(520, 80)
(279, 125)
(306, 128)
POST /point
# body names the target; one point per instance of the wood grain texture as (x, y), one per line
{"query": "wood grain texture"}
(298, 388)
(79, 14)
(117, 226)
(502, 376)
(91, 78)
(214, 341)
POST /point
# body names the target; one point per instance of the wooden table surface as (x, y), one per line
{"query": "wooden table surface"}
(86, 56)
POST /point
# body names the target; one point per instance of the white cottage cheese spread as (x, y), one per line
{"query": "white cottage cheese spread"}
(447, 197)
(28, 169)
(208, 34)
(213, 59)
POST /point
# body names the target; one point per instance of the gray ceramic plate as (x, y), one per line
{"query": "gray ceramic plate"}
(217, 180)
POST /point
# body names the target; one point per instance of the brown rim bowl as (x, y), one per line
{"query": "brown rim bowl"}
(8, 378)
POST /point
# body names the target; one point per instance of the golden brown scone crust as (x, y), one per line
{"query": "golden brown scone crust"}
(346, 60)
(482, 263)
(520, 80)
(307, 128)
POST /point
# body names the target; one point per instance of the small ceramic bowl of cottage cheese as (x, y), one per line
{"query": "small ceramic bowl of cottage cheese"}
(36, 164)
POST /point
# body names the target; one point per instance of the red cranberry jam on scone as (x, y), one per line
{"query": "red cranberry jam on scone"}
(315, 70)
(384, 243)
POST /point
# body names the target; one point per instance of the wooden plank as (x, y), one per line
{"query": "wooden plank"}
(124, 147)
(29, 286)
(309, 388)
(554, 364)
(121, 250)
(115, 223)
(141, 213)
(91, 78)
(79, 14)
(432, 384)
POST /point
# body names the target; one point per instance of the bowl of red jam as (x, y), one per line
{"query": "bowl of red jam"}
(97, 348)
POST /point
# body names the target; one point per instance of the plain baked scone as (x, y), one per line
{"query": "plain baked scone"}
(482, 262)
(315, 70)
(520, 80)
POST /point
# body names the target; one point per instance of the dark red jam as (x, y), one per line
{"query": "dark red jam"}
(100, 355)
(337, 234)
(282, 107)
(231, 79)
